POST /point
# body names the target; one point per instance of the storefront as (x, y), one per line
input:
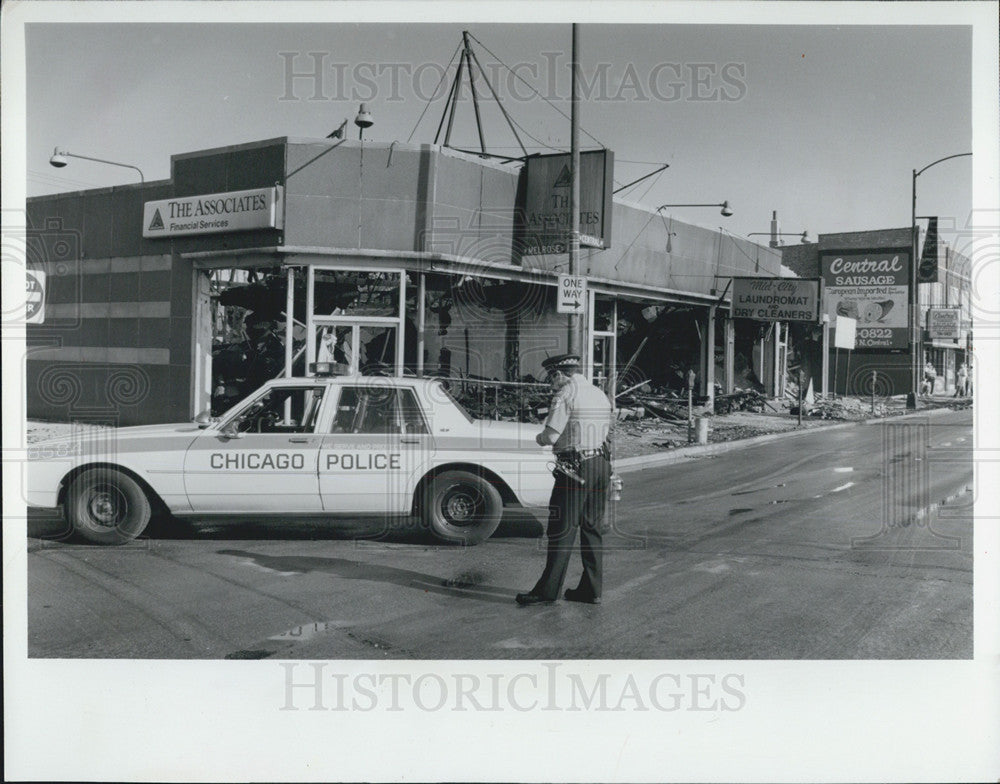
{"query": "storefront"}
(171, 297)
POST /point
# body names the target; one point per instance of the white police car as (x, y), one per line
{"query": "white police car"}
(322, 446)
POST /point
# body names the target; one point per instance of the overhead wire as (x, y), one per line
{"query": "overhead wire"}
(528, 85)
(45, 179)
(444, 72)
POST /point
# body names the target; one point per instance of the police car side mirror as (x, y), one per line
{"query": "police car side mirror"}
(204, 419)
(231, 430)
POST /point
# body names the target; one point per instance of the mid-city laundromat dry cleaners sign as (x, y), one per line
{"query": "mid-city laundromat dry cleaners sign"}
(545, 212)
(777, 299)
(213, 213)
(873, 289)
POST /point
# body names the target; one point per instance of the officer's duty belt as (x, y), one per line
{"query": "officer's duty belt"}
(580, 454)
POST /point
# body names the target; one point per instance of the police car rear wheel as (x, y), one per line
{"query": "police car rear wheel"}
(462, 508)
(105, 506)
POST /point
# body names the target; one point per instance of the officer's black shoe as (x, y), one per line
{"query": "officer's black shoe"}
(576, 595)
(527, 599)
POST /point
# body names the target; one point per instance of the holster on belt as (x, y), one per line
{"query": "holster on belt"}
(569, 466)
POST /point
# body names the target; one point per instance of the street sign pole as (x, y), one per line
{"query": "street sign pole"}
(574, 342)
(800, 396)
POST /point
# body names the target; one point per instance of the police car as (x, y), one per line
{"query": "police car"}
(319, 446)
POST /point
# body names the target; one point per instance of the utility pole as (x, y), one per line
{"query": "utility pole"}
(574, 341)
(914, 320)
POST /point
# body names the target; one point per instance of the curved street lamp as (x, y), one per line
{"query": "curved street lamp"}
(916, 342)
(59, 156)
(726, 210)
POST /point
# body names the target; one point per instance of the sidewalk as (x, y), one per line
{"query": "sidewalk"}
(646, 444)
(653, 442)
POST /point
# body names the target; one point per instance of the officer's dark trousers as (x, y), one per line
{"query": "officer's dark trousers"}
(574, 506)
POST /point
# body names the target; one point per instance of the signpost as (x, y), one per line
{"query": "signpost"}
(572, 294)
(546, 207)
(777, 299)
(34, 303)
(944, 323)
(845, 331)
(871, 288)
(214, 213)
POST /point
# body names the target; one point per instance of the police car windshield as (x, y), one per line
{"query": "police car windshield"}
(457, 405)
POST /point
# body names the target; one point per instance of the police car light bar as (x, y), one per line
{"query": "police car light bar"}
(329, 369)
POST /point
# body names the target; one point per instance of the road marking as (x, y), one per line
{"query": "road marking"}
(842, 487)
(717, 568)
(635, 582)
(307, 631)
(843, 469)
(513, 643)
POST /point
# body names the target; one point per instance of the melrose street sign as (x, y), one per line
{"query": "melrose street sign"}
(572, 294)
(213, 213)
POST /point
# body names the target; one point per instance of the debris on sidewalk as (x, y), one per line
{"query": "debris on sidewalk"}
(741, 400)
(848, 408)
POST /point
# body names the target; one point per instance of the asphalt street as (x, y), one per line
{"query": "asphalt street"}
(849, 543)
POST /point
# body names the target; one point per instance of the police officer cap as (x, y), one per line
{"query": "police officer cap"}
(562, 362)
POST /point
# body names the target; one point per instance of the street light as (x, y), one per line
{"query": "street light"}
(363, 120)
(726, 211)
(915, 336)
(803, 237)
(59, 156)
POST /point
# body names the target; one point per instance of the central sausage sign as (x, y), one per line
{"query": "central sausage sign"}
(873, 289)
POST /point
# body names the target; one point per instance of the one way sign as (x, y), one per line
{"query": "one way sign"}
(572, 294)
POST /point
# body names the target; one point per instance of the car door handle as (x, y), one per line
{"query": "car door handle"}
(409, 440)
(299, 440)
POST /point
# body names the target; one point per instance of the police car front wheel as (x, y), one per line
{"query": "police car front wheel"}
(462, 508)
(105, 506)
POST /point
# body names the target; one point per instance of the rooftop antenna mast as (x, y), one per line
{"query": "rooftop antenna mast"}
(466, 60)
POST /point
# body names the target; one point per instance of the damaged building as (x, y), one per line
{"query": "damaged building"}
(167, 298)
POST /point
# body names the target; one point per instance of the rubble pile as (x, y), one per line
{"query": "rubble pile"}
(504, 403)
(847, 408)
(741, 400)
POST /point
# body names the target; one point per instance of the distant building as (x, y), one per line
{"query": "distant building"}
(877, 297)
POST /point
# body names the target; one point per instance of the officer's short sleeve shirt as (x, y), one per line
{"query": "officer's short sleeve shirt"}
(581, 414)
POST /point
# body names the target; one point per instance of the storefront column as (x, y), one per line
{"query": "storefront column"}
(201, 339)
(310, 324)
(289, 325)
(762, 357)
(776, 364)
(825, 368)
(289, 334)
(729, 355)
(421, 322)
(708, 359)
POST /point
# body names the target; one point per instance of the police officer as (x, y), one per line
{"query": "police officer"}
(577, 428)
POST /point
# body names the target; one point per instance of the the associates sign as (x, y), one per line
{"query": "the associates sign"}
(213, 213)
(777, 299)
(873, 289)
(545, 209)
